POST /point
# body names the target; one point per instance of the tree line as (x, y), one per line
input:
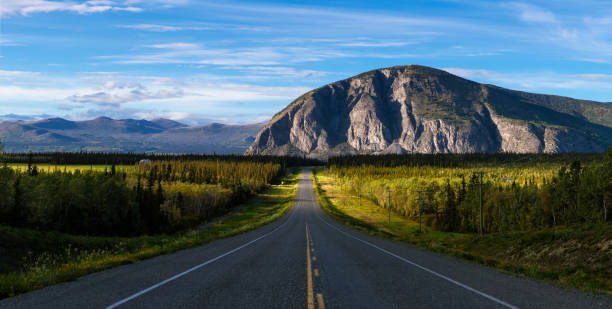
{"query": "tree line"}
(485, 197)
(441, 160)
(119, 158)
(150, 197)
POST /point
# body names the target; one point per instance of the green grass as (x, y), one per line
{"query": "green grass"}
(577, 256)
(34, 259)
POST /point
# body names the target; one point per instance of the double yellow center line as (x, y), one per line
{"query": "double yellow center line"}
(320, 302)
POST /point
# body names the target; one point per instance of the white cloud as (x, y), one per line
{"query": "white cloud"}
(176, 46)
(118, 93)
(13, 93)
(375, 44)
(151, 27)
(538, 81)
(594, 77)
(533, 14)
(7, 42)
(245, 93)
(278, 71)
(192, 53)
(337, 17)
(197, 27)
(27, 7)
(589, 35)
(113, 84)
(473, 73)
(16, 74)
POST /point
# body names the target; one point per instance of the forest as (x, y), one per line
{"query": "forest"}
(483, 193)
(146, 194)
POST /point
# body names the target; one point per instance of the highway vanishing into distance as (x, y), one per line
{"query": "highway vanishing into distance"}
(305, 260)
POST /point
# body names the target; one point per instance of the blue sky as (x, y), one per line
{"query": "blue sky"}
(241, 62)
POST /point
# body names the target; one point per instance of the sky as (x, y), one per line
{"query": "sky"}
(243, 61)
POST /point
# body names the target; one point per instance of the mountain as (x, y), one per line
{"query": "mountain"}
(214, 137)
(414, 108)
(126, 135)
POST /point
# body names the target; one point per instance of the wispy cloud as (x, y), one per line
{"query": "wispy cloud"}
(20, 93)
(152, 27)
(593, 77)
(192, 53)
(376, 44)
(337, 17)
(278, 71)
(196, 27)
(4, 74)
(474, 73)
(586, 34)
(538, 81)
(176, 46)
(7, 42)
(531, 13)
(27, 7)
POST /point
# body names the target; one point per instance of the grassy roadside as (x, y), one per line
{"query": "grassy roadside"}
(576, 256)
(60, 257)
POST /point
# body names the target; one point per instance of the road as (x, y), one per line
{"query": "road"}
(305, 260)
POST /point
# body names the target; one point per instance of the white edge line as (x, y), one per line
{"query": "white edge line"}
(125, 300)
(499, 301)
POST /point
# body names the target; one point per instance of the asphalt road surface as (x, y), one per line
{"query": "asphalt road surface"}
(305, 260)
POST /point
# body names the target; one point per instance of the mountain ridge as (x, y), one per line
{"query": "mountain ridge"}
(422, 109)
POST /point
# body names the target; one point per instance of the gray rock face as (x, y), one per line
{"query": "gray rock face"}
(419, 109)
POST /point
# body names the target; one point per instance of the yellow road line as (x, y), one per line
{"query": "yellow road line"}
(320, 301)
(309, 272)
(316, 272)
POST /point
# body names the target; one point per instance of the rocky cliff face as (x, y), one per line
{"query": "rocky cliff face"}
(420, 109)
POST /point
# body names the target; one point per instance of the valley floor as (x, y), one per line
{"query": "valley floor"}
(31, 259)
(578, 256)
(305, 260)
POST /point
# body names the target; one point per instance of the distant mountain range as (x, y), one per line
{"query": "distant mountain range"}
(125, 135)
(414, 108)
